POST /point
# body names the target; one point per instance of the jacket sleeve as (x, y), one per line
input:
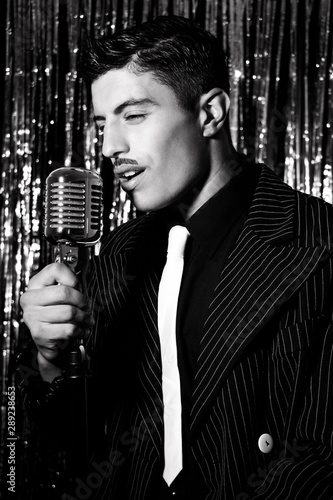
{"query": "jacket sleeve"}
(50, 406)
(41, 399)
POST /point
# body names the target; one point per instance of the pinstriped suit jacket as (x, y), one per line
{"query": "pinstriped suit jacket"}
(265, 363)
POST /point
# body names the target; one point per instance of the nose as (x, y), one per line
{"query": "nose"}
(114, 142)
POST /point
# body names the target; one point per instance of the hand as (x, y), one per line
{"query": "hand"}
(55, 311)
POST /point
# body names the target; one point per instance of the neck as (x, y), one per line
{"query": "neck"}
(224, 163)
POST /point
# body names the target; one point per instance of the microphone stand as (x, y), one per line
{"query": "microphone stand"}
(76, 371)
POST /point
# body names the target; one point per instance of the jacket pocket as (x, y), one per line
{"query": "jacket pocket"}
(299, 336)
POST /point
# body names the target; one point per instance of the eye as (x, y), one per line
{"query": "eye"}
(135, 117)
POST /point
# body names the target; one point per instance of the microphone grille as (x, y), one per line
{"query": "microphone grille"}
(73, 206)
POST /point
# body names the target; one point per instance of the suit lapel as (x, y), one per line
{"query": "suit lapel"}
(261, 274)
(136, 259)
(151, 404)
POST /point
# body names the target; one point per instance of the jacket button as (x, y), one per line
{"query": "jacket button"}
(265, 443)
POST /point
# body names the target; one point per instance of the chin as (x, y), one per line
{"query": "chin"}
(149, 205)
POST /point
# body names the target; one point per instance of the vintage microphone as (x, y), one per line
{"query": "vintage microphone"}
(73, 223)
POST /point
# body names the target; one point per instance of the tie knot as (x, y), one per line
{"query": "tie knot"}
(177, 240)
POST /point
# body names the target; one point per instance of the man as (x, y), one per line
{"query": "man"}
(254, 318)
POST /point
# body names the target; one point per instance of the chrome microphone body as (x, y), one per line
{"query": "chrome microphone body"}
(73, 212)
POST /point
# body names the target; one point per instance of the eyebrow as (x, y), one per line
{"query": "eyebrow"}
(130, 102)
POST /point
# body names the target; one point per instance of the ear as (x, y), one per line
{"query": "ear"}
(214, 107)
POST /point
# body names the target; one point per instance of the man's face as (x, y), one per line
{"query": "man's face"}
(157, 148)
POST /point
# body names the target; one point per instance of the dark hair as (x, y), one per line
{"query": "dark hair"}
(179, 53)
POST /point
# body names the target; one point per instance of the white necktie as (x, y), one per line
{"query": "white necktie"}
(167, 310)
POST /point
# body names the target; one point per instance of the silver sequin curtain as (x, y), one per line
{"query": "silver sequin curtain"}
(281, 71)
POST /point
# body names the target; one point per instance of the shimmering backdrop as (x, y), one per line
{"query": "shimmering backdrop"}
(281, 70)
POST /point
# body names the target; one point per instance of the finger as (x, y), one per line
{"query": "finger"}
(55, 294)
(58, 334)
(54, 351)
(53, 274)
(56, 320)
(54, 339)
(59, 314)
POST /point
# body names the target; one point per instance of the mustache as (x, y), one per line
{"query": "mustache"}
(118, 162)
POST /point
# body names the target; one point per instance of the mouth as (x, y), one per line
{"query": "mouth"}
(128, 173)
